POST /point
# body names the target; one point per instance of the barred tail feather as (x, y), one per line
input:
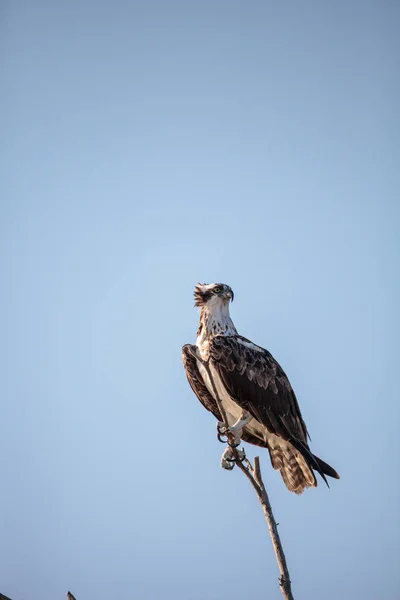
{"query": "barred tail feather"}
(294, 469)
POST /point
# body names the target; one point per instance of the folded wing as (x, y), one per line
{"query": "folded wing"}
(258, 384)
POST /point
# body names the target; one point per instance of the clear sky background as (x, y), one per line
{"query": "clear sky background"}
(147, 146)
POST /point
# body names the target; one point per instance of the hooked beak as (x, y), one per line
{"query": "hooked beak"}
(229, 294)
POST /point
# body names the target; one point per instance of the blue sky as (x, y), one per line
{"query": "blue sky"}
(148, 146)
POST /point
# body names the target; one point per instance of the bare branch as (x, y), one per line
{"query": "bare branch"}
(284, 580)
(257, 470)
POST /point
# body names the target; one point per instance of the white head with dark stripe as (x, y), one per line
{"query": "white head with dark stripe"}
(213, 300)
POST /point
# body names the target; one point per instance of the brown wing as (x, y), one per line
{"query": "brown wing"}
(199, 388)
(255, 380)
(258, 384)
(196, 381)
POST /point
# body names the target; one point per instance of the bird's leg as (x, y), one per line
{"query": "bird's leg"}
(233, 434)
(236, 429)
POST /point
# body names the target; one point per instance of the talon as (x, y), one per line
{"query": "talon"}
(226, 465)
(231, 460)
(228, 460)
(240, 455)
(234, 445)
(221, 428)
(221, 432)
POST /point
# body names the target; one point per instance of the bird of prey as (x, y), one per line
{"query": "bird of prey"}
(260, 405)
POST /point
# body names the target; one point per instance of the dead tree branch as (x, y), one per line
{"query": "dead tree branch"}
(255, 478)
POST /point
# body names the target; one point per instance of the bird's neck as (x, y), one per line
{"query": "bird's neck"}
(214, 320)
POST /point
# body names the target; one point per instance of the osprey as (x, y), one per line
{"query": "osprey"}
(260, 405)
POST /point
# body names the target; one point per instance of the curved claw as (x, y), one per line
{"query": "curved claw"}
(241, 460)
(222, 432)
(229, 467)
(234, 445)
(239, 456)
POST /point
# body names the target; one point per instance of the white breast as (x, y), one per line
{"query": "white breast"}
(232, 409)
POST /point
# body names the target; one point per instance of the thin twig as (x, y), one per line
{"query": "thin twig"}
(253, 474)
(284, 580)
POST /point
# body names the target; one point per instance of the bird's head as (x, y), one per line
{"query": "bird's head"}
(212, 295)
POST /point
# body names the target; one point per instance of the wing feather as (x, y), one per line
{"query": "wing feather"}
(196, 381)
(259, 385)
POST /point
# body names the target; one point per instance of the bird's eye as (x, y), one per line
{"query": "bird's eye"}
(217, 289)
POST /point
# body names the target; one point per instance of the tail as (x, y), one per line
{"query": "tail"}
(296, 464)
(327, 469)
